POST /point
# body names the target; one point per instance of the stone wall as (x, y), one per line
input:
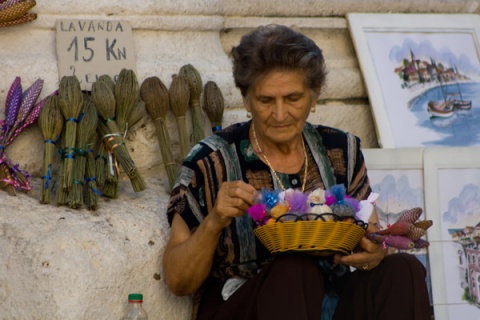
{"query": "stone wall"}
(60, 263)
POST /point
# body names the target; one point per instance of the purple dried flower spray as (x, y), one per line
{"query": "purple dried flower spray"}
(12, 103)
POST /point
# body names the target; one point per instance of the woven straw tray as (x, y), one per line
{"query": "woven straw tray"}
(322, 237)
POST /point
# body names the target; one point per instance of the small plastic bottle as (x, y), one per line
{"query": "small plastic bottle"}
(135, 310)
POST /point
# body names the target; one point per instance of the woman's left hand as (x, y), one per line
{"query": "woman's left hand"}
(371, 256)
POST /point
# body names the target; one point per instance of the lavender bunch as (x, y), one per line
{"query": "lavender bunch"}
(21, 111)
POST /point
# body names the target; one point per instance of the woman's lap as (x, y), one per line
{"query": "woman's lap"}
(292, 287)
(396, 289)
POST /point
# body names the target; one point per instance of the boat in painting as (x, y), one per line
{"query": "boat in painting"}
(443, 108)
(460, 104)
(440, 109)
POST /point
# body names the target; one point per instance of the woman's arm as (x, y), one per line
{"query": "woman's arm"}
(188, 256)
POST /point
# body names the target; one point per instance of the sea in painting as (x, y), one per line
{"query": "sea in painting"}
(457, 126)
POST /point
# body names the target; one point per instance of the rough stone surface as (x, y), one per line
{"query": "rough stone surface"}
(60, 263)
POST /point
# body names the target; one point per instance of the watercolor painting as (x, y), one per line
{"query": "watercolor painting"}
(452, 201)
(460, 232)
(396, 175)
(422, 74)
(400, 190)
(432, 83)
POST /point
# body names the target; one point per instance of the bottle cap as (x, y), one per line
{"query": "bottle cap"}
(135, 297)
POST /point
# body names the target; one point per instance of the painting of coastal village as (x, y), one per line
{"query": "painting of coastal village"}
(430, 85)
(468, 259)
(400, 190)
(459, 223)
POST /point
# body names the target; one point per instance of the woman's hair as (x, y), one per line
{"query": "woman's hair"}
(276, 47)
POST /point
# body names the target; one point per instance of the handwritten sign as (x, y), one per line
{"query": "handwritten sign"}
(91, 48)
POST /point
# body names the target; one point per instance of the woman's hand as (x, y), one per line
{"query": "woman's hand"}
(371, 256)
(233, 200)
(188, 257)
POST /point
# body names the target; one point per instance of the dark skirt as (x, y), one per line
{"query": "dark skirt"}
(292, 287)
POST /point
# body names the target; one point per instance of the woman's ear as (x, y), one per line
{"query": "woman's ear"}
(246, 104)
(315, 97)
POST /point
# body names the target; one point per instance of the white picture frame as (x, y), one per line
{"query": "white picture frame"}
(413, 65)
(397, 176)
(452, 178)
(404, 169)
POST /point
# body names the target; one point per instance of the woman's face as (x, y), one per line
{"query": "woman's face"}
(280, 103)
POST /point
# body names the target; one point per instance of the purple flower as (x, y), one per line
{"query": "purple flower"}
(297, 200)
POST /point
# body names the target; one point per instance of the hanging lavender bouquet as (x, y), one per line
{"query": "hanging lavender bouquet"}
(21, 111)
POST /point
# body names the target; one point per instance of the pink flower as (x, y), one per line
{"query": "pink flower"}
(258, 212)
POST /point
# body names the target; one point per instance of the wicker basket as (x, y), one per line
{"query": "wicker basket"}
(319, 236)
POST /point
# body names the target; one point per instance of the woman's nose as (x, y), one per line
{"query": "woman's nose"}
(280, 110)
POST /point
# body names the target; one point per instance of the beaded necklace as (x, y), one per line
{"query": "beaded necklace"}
(273, 170)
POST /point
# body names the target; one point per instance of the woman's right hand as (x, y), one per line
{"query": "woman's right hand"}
(233, 200)
(188, 256)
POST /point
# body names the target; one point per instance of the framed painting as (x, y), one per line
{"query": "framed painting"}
(396, 175)
(422, 75)
(452, 201)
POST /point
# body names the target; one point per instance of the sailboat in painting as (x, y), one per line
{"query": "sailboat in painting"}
(440, 109)
(460, 104)
(443, 108)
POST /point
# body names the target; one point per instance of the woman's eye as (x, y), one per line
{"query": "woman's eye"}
(265, 100)
(293, 98)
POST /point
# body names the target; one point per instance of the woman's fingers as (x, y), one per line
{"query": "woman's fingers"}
(240, 191)
(233, 200)
(371, 257)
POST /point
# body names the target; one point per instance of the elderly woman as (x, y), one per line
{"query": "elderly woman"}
(212, 252)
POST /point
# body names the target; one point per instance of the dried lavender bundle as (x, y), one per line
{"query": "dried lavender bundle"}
(12, 104)
(179, 94)
(195, 84)
(110, 186)
(6, 179)
(104, 101)
(86, 127)
(29, 97)
(105, 78)
(137, 115)
(126, 93)
(100, 160)
(51, 123)
(61, 194)
(11, 10)
(155, 95)
(27, 17)
(31, 119)
(92, 192)
(213, 104)
(4, 4)
(20, 112)
(70, 100)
